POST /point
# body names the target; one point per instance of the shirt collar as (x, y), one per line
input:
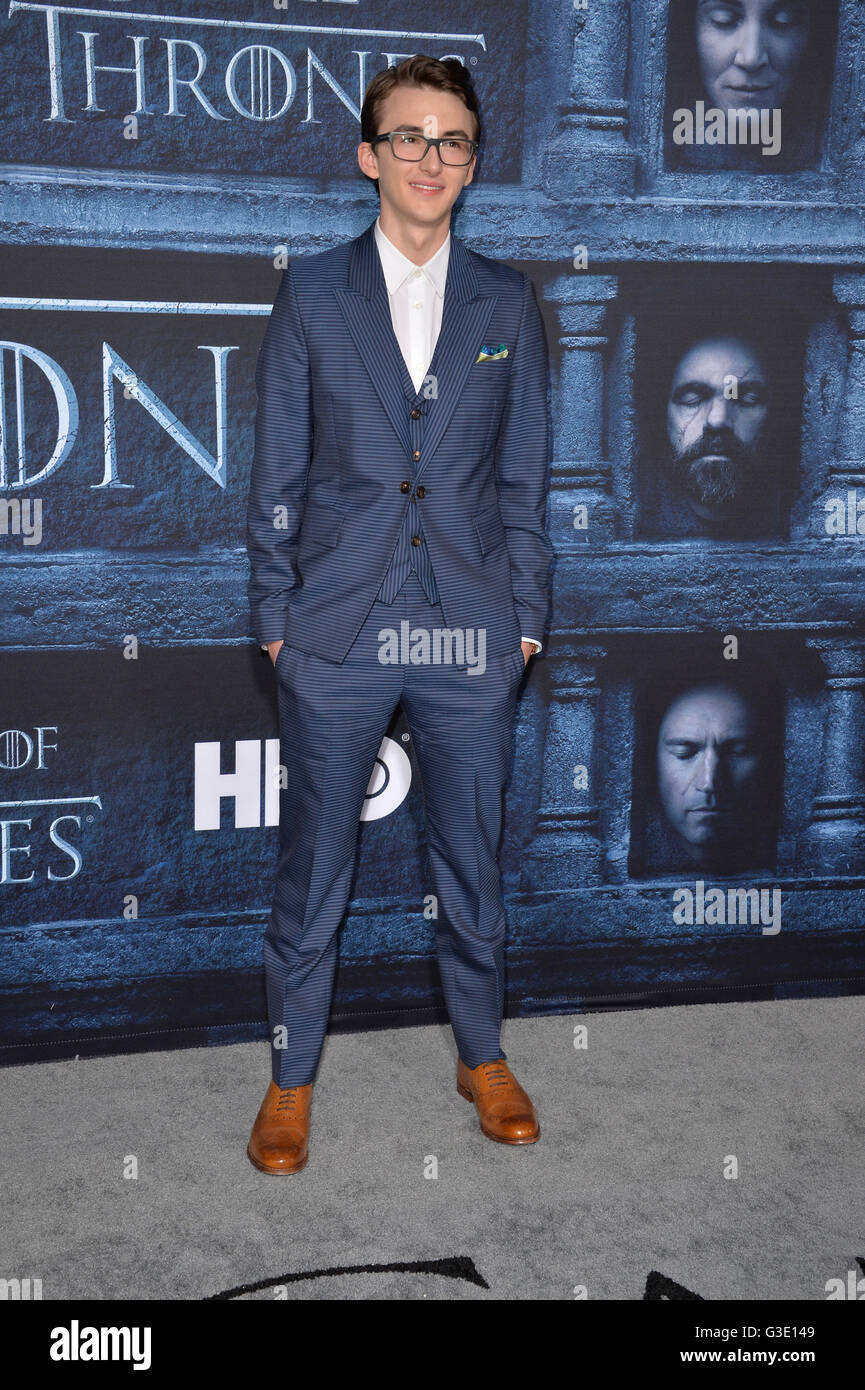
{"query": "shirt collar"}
(397, 267)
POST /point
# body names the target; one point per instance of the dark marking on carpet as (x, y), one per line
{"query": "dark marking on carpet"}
(454, 1267)
(660, 1289)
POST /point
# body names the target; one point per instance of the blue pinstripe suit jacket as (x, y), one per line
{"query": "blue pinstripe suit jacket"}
(333, 446)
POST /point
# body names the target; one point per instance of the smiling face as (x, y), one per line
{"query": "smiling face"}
(750, 51)
(419, 195)
(710, 768)
(717, 414)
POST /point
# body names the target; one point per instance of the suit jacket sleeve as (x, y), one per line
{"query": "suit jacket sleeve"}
(522, 463)
(283, 449)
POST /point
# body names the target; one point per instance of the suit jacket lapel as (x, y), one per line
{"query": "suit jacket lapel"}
(465, 315)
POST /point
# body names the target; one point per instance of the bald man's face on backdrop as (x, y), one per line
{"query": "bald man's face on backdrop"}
(711, 768)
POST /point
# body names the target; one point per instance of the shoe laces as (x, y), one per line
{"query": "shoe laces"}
(495, 1074)
(287, 1102)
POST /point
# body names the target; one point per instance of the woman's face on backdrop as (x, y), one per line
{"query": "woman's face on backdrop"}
(750, 51)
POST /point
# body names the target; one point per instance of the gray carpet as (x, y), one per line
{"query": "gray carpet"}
(627, 1178)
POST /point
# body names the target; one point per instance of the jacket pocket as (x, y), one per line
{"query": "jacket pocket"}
(321, 525)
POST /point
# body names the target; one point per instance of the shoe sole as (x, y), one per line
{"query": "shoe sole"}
(497, 1138)
(275, 1172)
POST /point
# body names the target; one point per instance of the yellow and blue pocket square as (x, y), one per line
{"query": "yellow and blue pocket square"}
(491, 354)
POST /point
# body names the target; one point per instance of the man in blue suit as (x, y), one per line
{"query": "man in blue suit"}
(398, 487)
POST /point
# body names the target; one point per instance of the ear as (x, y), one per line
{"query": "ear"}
(367, 160)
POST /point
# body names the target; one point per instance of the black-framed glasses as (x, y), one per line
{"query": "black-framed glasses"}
(406, 144)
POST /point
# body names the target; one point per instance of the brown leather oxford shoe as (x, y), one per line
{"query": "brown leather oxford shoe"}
(280, 1136)
(505, 1112)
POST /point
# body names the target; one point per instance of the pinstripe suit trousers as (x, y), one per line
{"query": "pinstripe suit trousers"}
(333, 716)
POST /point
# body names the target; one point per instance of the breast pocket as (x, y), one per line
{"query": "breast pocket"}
(491, 377)
(485, 400)
(490, 528)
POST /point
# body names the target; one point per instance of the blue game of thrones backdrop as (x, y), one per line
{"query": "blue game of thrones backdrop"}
(161, 162)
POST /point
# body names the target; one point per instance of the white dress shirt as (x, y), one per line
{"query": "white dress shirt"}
(416, 294)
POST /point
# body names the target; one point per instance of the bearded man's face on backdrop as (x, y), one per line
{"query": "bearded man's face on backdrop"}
(720, 455)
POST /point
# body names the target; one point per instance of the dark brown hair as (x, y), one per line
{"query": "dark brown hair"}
(445, 75)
